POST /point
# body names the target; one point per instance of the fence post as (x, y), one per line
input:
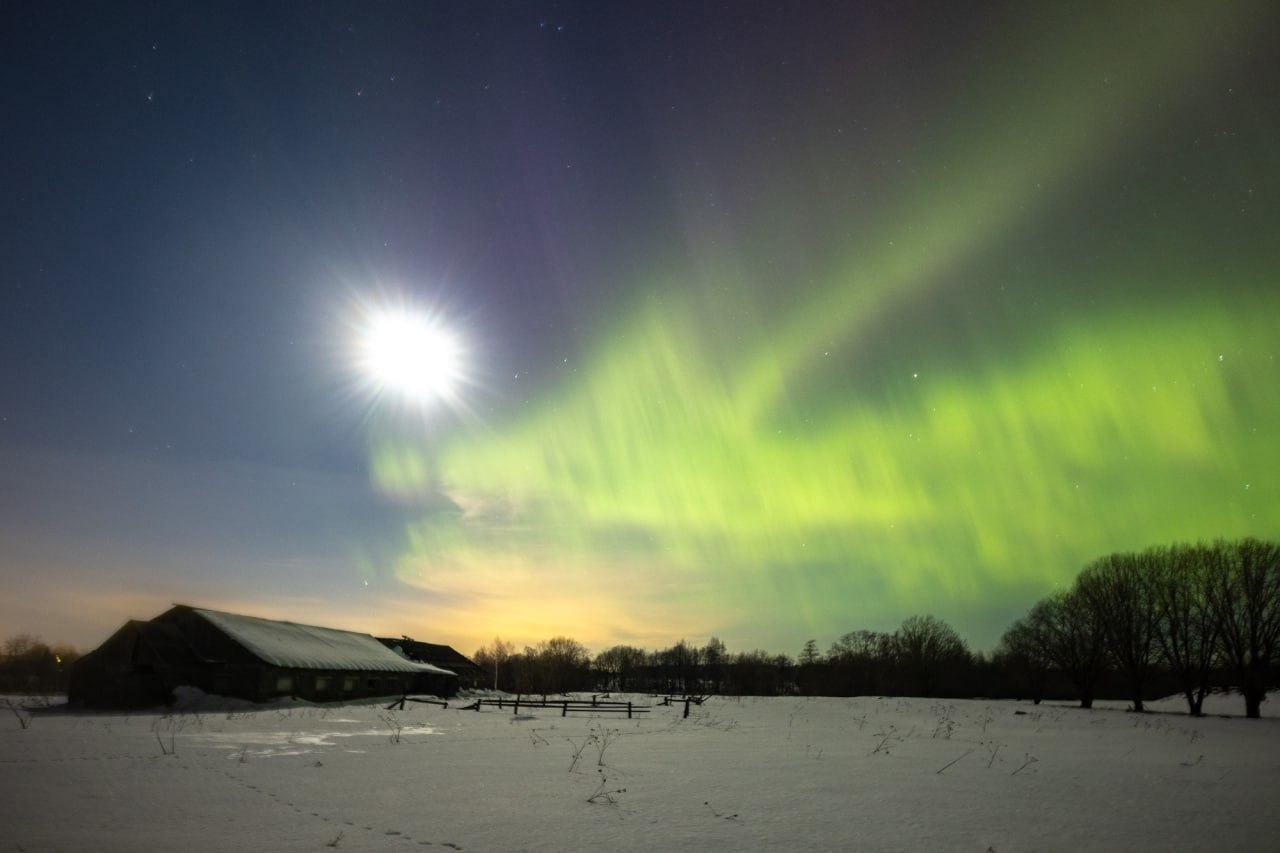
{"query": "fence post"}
(686, 707)
(564, 710)
(628, 710)
(516, 707)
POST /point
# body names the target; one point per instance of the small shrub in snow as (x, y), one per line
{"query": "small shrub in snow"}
(171, 727)
(946, 725)
(604, 739)
(987, 719)
(23, 715)
(605, 794)
(888, 737)
(578, 748)
(394, 725)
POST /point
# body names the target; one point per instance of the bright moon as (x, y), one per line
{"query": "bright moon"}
(411, 354)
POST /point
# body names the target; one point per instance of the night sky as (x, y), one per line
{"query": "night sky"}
(775, 320)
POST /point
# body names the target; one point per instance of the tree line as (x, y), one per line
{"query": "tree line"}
(1184, 618)
(28, 665)
(1205, 615)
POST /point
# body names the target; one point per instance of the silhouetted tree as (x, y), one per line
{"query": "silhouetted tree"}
(29, 665)
(811, 674)
(927, 647)
(493, 658)
(809, 654)
(859, 662)
(714, 659)
(566, 664)
(558, 665)
(621, 666)
(755, 673)
(1024, 657)
(678, 668)
(1067, 632)
(1120, 591)
(1245, 599)
(1186, 629)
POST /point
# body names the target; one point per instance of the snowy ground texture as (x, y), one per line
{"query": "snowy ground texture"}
(738, 774)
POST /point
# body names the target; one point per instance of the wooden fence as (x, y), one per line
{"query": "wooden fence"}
(592, 705)
(687, 700)
(398, 705)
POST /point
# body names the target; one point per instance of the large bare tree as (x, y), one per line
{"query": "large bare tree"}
(1024, 655)
(1067, 632)
(1186, 628)
(1120, 590)
(927, 647)
(1245, 598)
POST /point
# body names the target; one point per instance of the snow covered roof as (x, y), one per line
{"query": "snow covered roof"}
(310, 647)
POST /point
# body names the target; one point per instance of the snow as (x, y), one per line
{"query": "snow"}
(289, 644)
(737, 774)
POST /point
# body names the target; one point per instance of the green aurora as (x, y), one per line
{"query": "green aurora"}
(960, 386)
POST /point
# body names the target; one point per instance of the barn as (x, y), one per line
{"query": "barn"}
(245, 657)
(470, 674)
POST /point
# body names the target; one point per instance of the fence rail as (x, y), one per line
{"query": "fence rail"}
(687, 700)
(398, 705)
(592, 705)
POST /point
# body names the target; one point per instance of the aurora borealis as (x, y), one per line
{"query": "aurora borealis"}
(781, 325)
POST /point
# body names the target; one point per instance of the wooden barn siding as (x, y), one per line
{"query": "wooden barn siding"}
(308, 684)
(123, 672)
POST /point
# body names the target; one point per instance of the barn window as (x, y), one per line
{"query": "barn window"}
(324, 683)
(284, 683)
(348, 684)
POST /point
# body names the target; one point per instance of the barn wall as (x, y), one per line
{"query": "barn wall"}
(315, 685)
(121, 673)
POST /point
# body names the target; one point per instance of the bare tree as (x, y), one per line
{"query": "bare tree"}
(860, 661)
(714, 660)
(1067, 632)
(502, 651)
(1120, 590)
(562, 664)
(29, 665)
(1245, 598)
(1186, 628)
(756, 673)
(1021, 653)
(927, 647)
(494, 657)
(620, 665)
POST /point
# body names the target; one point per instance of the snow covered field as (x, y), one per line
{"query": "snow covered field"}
(738, 774)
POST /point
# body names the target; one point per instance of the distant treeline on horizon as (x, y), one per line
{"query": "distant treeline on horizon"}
(1186, 619)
